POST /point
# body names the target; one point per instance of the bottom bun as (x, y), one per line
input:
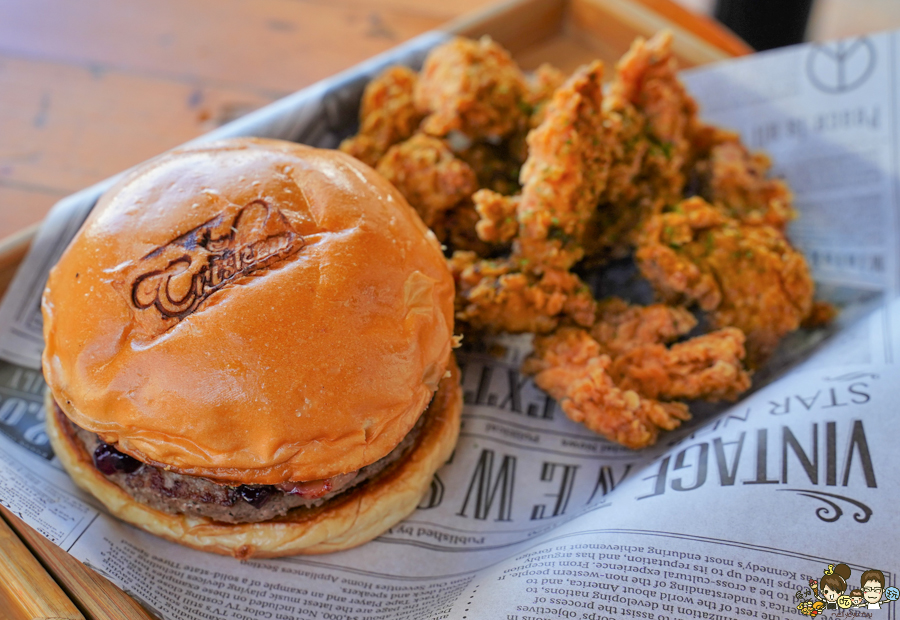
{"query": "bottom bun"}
(346, 521)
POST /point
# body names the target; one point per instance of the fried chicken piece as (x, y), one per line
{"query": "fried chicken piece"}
(651, 119)
(565, 174)
(647, 78)
(732, 178)
(473, 87)
(497, 216)
(676, 277)
(429, 175)
(387, 115)
(747, 276)
(613, 377)
(707, 367)
(570, 367)
(628, 197)
(493, 295)
(621, 327)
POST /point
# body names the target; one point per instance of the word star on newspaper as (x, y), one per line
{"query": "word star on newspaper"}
(784, 503)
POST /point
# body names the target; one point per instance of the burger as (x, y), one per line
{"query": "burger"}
(248, 350)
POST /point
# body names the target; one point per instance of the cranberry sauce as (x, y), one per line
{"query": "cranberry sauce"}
(110, 461)
(256, 496)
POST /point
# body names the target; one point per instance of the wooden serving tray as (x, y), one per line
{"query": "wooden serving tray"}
(565, 33)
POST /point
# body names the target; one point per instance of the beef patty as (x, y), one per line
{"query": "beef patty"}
(196, 496)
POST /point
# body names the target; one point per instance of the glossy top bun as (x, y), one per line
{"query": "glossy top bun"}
(250, 311)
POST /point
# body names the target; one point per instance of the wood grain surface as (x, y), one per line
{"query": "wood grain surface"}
(90, 88)
(27, 592)
(97, 598)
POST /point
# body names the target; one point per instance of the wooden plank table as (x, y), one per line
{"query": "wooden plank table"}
(90, 88)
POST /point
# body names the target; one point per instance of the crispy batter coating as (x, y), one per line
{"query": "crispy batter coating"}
(621, 327)
(746, 276)
(729, 176)
(494, 296)
(565, 174)
(497, 216)
(675, 276)
(570, 367)
(615, 377)
(647, 78)
(387, 115)
(707, 367)
(651, 119)
(473, 87)
(429, 175)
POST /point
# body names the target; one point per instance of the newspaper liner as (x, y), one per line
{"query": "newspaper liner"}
(535, 517)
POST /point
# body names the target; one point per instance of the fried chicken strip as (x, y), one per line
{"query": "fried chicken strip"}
(495, 296)
(736, 181)
(707, 367)
(621, 326)
(473, 87)
(651, 120)
(429, 175)
(387, 115)
(747, 276)
(570, 367)
(647, 78)
(497, 216)
(565, 174)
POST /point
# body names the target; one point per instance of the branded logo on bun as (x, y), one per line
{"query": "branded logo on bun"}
(211, 256)
(249, 350)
